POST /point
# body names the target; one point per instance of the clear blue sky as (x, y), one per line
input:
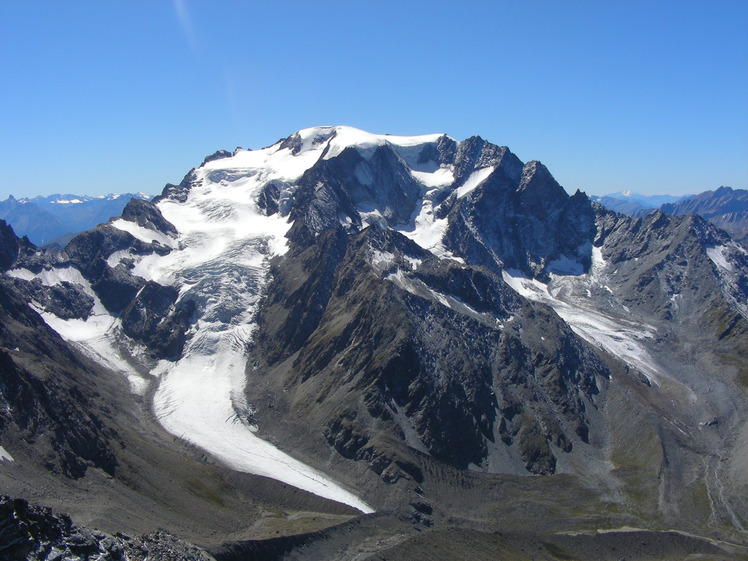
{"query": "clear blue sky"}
(119, 96)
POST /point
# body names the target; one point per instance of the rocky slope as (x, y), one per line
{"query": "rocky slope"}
(430, 329)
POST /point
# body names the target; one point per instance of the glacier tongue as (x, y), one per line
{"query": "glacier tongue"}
(221, 264)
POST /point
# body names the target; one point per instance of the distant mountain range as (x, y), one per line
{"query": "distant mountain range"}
(726, 208)
(635, 204)
(57, 218)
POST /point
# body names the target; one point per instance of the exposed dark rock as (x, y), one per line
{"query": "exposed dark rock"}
(155, 318)
(147, 215)
(66, 300)
(424, 381)
(333, 188)
(217, 155)
(520, 222)
(8, 246)
(436, 369)
(29, 532)
(725, 207)
(179, 192)
(117, 287)
(47, 400)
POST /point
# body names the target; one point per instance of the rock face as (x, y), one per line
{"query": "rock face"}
(31, 532)
(9, 245)
(458, 366)
(44, 402)
(397, 310)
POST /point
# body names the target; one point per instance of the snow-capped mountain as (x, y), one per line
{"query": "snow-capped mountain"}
(57, 218)
(628, 201)
(381, 320)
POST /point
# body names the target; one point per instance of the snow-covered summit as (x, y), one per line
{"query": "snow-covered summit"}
(288, 158)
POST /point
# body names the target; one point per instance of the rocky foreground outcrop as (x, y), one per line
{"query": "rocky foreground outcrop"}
(32, 533)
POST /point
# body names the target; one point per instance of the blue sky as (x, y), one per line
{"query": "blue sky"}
(120, 96)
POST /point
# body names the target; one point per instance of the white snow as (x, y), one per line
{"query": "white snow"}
(475, 179)
(145, 235)
(419, 288)
(729, 278)
(565, 266)
(414, 263)
(427, 230)
(371, 216)
(341, 137)
(363, 174)
(200, 399)
(23, 274)
(220, 261)
(718, 257)
(50, 277)
(97, 336)
(440, 177)
(381, 260)
(78, 330)
(5, 455)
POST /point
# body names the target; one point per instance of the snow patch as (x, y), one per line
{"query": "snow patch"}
(414, 263)
(138, 232)
(340, 138)
(731, 279)
(475, 179)
(439, 178)
(371, 216)
(565, 266)
(23, 274)
(363, 173)
(381, 260)
(718, 257)
(616, 335)
(5, 455)
(428, 231)
(421, 289)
